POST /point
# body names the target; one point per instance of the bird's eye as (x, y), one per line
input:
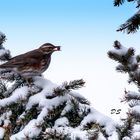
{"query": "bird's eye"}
(50, 48)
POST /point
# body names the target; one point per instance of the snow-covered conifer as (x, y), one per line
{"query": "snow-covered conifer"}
(44, 110)
(129, 63)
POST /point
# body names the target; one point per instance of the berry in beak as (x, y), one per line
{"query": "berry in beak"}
(57, 48)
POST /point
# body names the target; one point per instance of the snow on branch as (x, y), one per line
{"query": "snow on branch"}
(122, 54)
(129, 63)
(33, 113)
(132, 95)
(67, 87)
(72, 85)
(96, 117)
(44, 110)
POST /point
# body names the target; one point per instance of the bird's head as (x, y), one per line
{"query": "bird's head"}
(49, 48)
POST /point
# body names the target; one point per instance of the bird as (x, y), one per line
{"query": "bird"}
(32, 63)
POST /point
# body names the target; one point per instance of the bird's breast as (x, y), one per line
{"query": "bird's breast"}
(45, 64)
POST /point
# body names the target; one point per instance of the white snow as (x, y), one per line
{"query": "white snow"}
(5, 118)
(133, 60)
(31, 130)
(114, 136)
(3, 52)
(73, 132)
(61, 122)
(44, 105)
(79, 97)
(94, 116)
(67, 108)
(101, 137)
(132, 94)
(18, 95)
(126, 138)
(136, 128)
(121, 51)
(46, 85)
(136, 136)
(138, 12)
(2, 132)
(136, 109)
(136, 131)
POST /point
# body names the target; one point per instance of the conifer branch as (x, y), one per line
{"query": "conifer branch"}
(4, 54)
(2, 39)
(55, 134)
(131, 25)
(129, 63)
(16, 85)
(3, 89)
(125, 130)
(118, 2)
(67, 87)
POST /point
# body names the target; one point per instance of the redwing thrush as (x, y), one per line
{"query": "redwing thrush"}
(32, 63)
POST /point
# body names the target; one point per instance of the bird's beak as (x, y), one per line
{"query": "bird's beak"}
(57, 48)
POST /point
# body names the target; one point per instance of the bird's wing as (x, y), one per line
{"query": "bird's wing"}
(23, 60)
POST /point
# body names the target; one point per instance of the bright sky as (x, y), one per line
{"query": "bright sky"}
(86, 31)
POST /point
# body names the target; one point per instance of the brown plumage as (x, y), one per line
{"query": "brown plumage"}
(32, 63)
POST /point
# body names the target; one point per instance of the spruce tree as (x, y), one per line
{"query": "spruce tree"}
(129, 63)
(47, 111)
(133, 23)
